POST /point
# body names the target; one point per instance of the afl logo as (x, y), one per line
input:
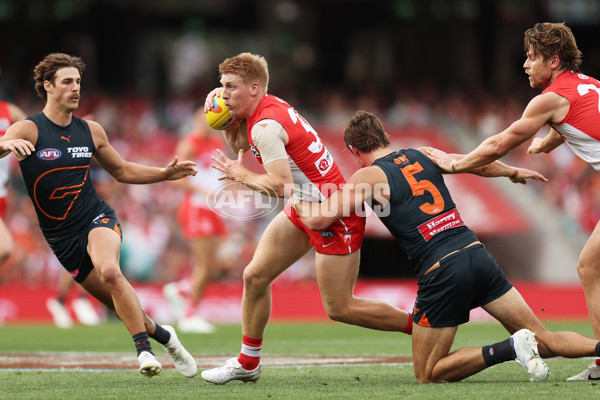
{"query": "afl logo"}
(49, 154)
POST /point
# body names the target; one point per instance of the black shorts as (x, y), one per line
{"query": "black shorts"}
(71, 250)
(465, 280)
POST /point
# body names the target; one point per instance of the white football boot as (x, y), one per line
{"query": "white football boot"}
(149, 365)
(525, 346)
(231, 371)
(592, 373)
(183, 360)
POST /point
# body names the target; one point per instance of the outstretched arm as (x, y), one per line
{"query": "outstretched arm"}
(130, 172)
(495, 169)
(540, 110)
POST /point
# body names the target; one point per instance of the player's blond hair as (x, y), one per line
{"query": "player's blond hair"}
(554, 39)
(365, 132)
(46, 70)
(251, 67)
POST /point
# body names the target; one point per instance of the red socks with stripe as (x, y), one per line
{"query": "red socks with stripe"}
(249, 357)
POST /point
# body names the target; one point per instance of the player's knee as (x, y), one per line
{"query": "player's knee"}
(254, 281)
(337, 311)
(588, 271)
(423, 377)
(110, 274)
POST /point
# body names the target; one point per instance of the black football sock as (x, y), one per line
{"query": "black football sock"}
(499, 352)
(161, 335)
(142, 342)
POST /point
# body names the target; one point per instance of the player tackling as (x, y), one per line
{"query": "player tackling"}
(570, 105)
(455, 272)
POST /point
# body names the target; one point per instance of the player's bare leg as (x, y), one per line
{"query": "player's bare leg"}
(184, 362)
(433, 363)
(336, 275)
(588, 269)
(431, 345)
(103, 248)
(281, 244)
(514, 313)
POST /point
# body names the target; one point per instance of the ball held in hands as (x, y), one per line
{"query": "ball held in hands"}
(218, 117)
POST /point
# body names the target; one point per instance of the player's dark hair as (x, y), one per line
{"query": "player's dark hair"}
(365, 132)
(554, 39)
(46, 70)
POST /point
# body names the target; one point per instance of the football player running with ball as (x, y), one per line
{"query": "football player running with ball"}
(293, 156)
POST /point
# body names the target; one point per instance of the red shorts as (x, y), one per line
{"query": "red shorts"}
(197, 221)
(342, 237)
(2, 207)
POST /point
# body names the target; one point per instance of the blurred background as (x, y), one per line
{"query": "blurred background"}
(446, 73)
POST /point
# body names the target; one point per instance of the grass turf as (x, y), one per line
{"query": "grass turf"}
(505, 381)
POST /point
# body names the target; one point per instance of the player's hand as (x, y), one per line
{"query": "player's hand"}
(441, 159)
(208, 103)
(231, 169)
(535, 146)
(522, 174)
(179, 169)
(21, 148)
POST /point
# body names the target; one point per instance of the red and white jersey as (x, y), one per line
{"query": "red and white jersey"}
(207, 177)
(581, 126)
(5, 122)
(315, 173)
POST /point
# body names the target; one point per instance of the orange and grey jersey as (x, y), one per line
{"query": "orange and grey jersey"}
(421, 214)
(57, 176)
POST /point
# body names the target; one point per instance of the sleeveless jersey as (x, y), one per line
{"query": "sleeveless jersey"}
(5, 122)
(581, 126)
(315, 173)
(421, 214)
(57, 177)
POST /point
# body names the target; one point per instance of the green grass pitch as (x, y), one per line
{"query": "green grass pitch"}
(506, 381)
